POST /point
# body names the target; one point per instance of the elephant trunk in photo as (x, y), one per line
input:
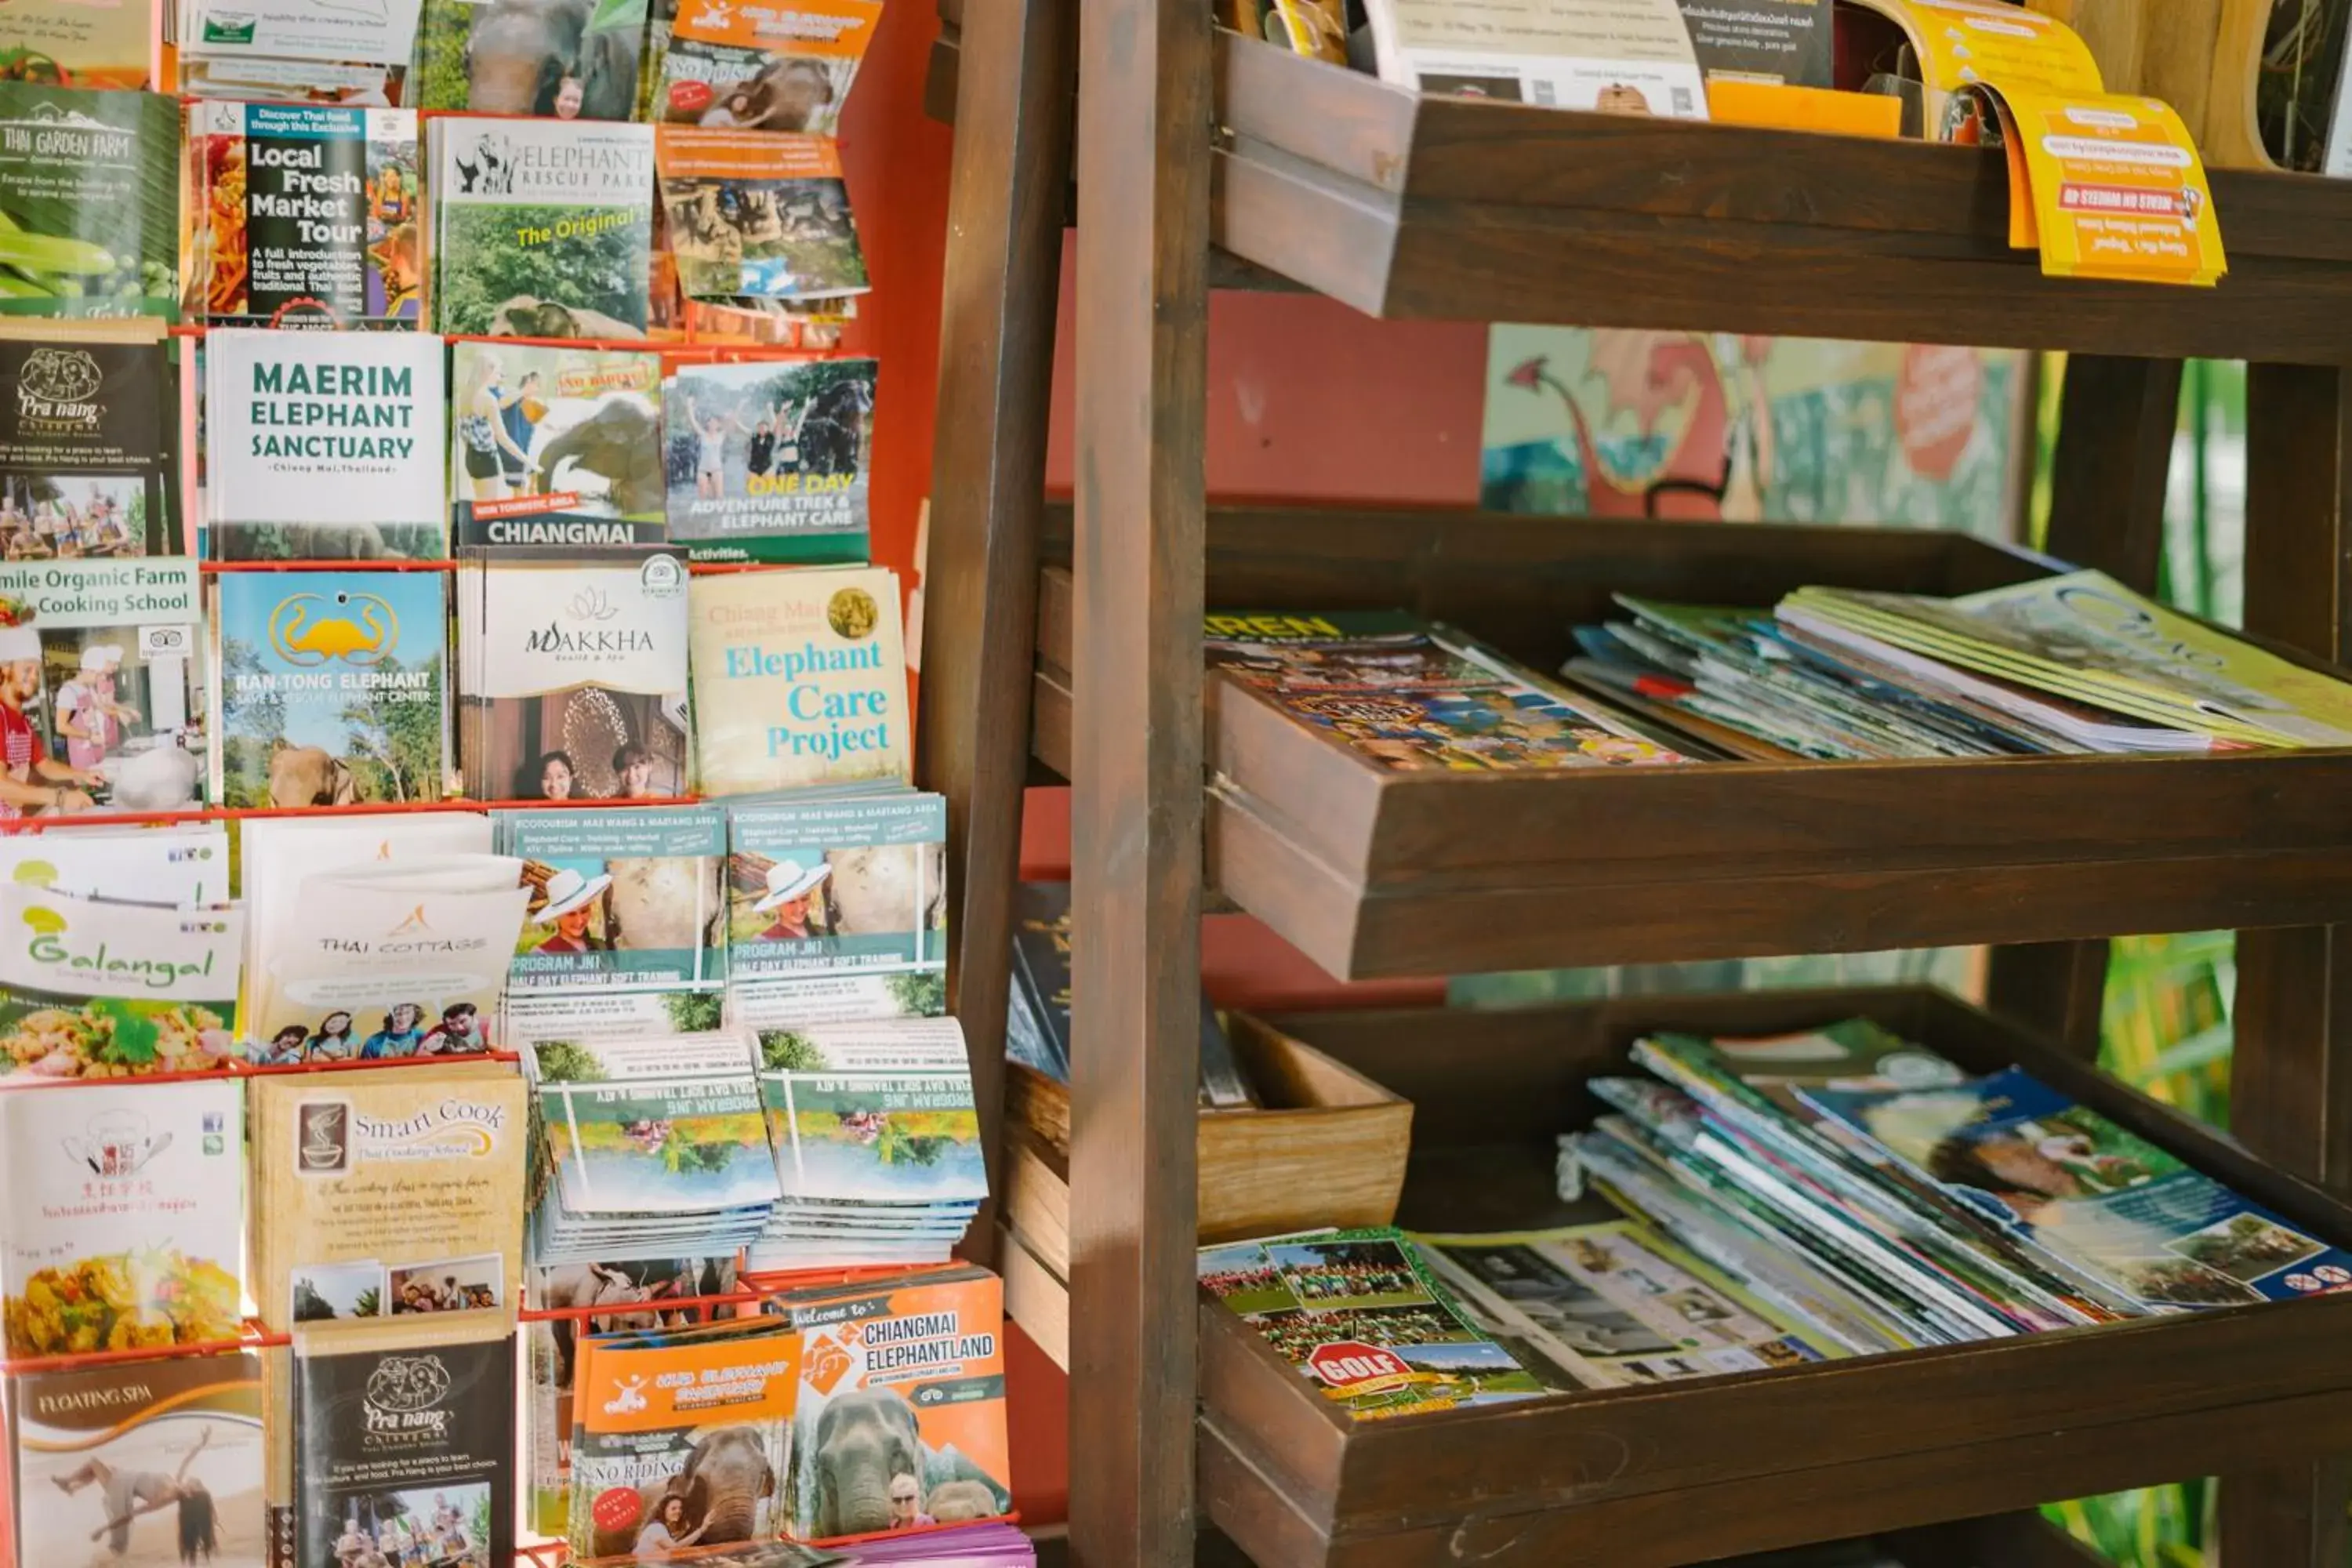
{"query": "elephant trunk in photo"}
(864, 1440)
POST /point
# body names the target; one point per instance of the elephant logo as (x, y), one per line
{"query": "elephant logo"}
(853, 614)
(358, 630)
(628, 1396)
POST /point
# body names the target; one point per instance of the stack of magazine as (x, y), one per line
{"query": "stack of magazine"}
(655, 1148)
(877, 1140)
(1875, 1195)
(2070, 664)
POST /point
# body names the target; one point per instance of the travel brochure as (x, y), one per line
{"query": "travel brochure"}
(654, 1146)
(876, 1140)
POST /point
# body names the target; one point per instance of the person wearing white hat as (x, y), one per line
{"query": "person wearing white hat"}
(31, 781)
(790, 885)
(89, 718)
(571, 900)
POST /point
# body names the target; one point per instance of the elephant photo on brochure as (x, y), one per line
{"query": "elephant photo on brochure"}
(853, 1445)
(727, 1477)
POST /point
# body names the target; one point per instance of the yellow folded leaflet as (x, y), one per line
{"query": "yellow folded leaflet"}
(2115, 186)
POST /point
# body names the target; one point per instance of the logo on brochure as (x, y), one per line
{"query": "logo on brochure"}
(1358, 1367)
(307, 629)
(628, 1396)
(404, 1386)
(57, 392)
(116, 1143)
(323, 1138)
(415, 924)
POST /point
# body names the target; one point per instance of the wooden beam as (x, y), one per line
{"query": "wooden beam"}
(2291, 1079)
(1144, 126)
(2116, 418)
(1002, 285)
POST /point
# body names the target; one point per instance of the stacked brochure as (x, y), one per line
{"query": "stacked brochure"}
(652, 1148)
(876, 1140)
(1869, 1190)
(837, 909)
(2069, 664)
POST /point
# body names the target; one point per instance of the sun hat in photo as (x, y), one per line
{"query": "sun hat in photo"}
(789, 879)
(568, 891)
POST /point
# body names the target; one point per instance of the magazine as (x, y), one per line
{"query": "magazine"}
(682, 1439)
(800, 679)
(120, 693)
(627, 925)
(323, 446)
(90, 181)
(877, 1138)
(97, 989)
(124, 1206)
(160, 1460)
(1037, 1018)
(1618, 57)
(279, 857)
(761, 68)
(182, 865)
(302, 215)
(387, 960)
(388, 1192)
(332, 687)
(912, 1367)
(770, 461)
(758, 214)
(572, 673)
(1359, 1314)
(86, 461)
(541, 228)
(2086, 636)
(2025, 1159)
(555, 444)
(654, 1146)
(91, 46)
(571, 62)
(851, 889)
(403, 1439)
(1614, 1304)
(1412, 696)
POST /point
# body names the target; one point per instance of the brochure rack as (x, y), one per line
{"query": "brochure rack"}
(1203, 160)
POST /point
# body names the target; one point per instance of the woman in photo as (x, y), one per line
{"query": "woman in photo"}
(710, 449)
(666, 1533)
(790, 886)
(129, 1493)
(633, 772)
(89, 720)
(332, 1043)
(553, 777)
(762, 455)
(571, 904)
(490, 451)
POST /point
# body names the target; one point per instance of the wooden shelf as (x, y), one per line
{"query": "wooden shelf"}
(1657, 1475)
(1406, 205)
(1375, 873)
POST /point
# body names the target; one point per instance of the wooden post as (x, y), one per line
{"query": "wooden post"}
(1009, 190)
(2291, 1079)
(1135, 834)
(2116, 419)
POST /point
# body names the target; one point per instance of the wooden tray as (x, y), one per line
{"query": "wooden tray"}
(1653, 1476)
(1327, 1147)
(1375, 873)
(1402, 204)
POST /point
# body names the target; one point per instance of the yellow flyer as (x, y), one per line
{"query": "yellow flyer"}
(1966, 43)
(2118, 189)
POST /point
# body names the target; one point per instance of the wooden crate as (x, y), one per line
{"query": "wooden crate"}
(1327, 1147)
(1677, 1473)
(1377, 873)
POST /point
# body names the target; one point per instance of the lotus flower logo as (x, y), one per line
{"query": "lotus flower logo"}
(592, 604)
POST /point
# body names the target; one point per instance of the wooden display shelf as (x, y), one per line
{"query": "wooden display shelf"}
(1661, 1475)
(1407, 205)
(1377, 873)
